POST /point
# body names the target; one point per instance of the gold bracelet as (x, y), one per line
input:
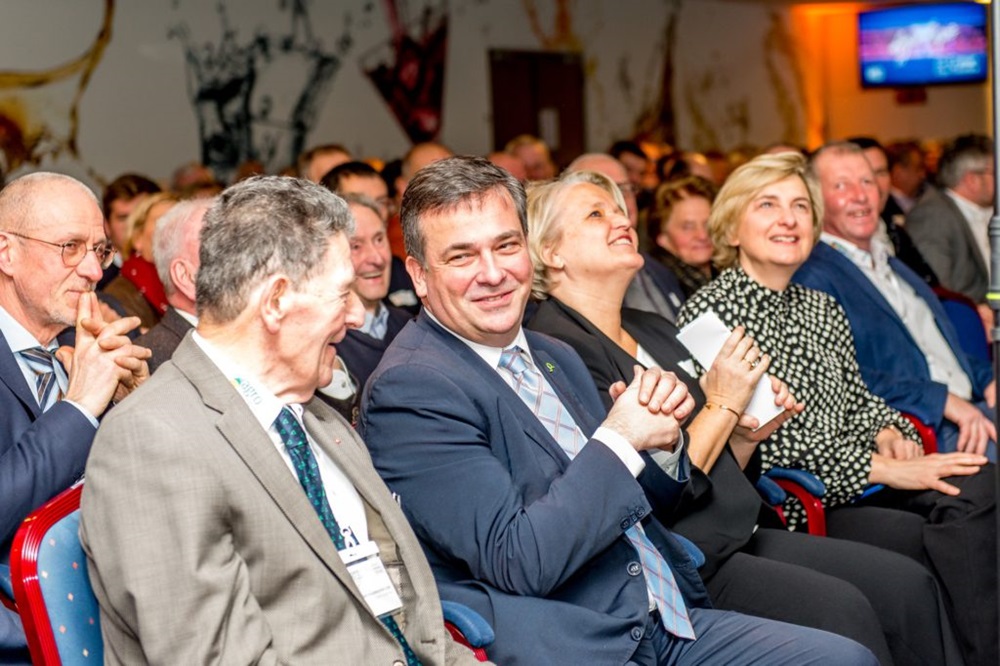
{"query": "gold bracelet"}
(709, 405)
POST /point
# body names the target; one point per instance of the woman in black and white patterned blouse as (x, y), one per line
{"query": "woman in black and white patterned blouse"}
(764, 224)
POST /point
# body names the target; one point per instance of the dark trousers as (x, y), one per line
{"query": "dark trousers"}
(734, 639)
(885, 601)
(956, 537)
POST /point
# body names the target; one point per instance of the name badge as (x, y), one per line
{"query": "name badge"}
(369, 574)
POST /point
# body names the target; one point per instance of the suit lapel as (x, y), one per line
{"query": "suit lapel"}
(970, 238)
(251, 443)
(546, 364)
(11, 375)
(533, 428)
(849, 273)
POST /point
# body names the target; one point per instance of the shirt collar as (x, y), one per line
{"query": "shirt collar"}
(17, 336)
(187, 316)
(879, 255)
(969, 208)
(261, 401)
(381, 315)
(491, 355)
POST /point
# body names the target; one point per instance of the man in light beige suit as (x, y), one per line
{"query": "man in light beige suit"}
(227, 517)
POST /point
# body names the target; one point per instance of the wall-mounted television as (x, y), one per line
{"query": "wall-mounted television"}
(919, 45)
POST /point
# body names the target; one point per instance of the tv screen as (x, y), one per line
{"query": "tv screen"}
(917, 45)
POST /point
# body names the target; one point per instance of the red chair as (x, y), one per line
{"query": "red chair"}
(779, 482)
(927, 435)
(49, 575)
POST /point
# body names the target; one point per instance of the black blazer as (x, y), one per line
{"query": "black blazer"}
(720, 515)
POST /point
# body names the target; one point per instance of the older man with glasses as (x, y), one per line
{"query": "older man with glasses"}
(53, 250)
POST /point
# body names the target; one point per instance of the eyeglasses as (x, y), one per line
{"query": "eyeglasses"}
(74, 252)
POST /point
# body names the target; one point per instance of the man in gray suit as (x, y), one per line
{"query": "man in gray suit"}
(175, 251)
(950, 227)
(228, 517)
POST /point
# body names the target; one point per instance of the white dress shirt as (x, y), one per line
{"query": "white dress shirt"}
(912, 309)
(19, 339)
(343, 497)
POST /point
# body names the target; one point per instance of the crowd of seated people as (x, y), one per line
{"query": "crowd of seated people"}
(504, 414)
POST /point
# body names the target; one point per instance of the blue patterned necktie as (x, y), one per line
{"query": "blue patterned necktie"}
(536, 393)
(306, 468)
(42, 363)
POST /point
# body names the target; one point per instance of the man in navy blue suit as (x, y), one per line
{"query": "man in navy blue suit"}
(908, 350)
(53, 249)
(531, 510)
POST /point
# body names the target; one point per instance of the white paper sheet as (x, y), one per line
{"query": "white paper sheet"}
(704, 338)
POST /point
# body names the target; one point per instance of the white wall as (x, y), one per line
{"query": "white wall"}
(739, 78)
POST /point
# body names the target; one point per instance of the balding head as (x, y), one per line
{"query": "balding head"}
(44, 219)
(607, 165)
(511, 163)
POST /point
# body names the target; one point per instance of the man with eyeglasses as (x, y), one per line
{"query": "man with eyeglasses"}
(53, 250)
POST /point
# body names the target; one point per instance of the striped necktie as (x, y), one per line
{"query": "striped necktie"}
(536, 393)
(306, 468)
(42, 363)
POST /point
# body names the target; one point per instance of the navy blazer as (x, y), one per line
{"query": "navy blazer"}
(512, 528)
(40, 456)
(891, 362)
(723, 509)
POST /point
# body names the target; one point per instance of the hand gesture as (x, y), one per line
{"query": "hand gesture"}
(648, 412)
(104, 365)
(735, 372)
(924, 472)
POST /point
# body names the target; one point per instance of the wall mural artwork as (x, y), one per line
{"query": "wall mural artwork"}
(238, 86)
(408, 70)
(28, 134)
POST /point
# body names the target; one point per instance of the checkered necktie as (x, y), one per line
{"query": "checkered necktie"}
(536, 393)
(42, 363)
(306, 468)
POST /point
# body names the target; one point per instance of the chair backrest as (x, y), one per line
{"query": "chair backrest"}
(965, 318)
(53, 593)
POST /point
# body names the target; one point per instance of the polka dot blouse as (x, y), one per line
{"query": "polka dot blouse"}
(809, 340)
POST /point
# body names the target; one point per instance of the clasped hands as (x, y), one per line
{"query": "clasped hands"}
(649, 411)
(104, 366)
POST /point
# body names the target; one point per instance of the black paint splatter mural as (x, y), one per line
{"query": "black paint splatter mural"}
(231, 86)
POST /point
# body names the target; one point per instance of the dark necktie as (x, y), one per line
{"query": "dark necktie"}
(535, 392)
(306, 468)
(42, 363)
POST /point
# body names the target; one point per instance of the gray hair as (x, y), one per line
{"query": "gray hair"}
(19, 196)
(364, 201)
(260, 227)
(969, 152)
(546, 223)
(172, 231)
(449, 183)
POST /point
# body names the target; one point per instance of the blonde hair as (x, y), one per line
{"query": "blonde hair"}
(545, 220)
(742, 186)
(136, 221)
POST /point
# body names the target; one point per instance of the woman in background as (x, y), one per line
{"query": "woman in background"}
(764, 224)
(584, 253)
(138, 288)
(678, 227)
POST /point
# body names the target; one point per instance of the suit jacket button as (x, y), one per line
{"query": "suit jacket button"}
(634, 569)
(398, 663)
(636, 633)
(626, 524)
